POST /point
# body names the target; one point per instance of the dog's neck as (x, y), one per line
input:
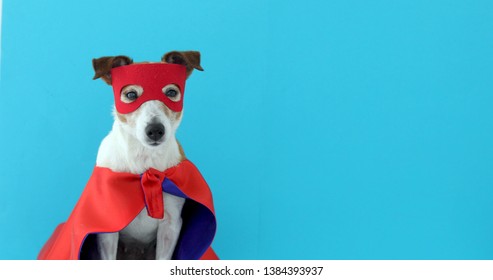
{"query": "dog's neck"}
(122, 152)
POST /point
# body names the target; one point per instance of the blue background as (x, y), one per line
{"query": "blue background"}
(326, 129)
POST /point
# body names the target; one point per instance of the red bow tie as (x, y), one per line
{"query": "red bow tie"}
(151, 183)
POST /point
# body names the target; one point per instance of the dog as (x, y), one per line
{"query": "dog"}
(138, 141)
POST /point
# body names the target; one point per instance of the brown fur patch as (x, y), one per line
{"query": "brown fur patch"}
(103, 65)
(189, 59)
(178, 115)
(182, 152)
(121, 117)
(174, 116)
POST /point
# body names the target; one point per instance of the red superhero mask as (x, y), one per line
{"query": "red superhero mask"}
(152, 77)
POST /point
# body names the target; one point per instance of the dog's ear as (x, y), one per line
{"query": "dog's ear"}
(190, 59)
(102, 66)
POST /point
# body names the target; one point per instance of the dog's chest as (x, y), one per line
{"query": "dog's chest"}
(143, 229)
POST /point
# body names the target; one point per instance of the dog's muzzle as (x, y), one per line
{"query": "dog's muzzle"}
(155, 131)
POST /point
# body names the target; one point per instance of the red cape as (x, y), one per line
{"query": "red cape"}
(111, 200)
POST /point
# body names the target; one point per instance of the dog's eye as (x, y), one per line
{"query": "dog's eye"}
(131, 95)
(171, 93)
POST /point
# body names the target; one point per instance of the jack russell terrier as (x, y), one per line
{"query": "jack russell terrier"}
(145, 200)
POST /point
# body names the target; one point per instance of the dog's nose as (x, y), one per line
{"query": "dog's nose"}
(155, 131)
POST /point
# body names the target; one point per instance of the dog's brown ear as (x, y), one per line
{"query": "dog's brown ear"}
(102, 66)
(190, 59)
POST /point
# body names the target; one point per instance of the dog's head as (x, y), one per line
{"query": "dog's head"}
(152, 118)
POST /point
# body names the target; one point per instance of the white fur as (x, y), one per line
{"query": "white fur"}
(126, 149)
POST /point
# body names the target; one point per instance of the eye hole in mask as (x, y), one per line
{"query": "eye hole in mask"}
(131, 93)
(172, 92)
